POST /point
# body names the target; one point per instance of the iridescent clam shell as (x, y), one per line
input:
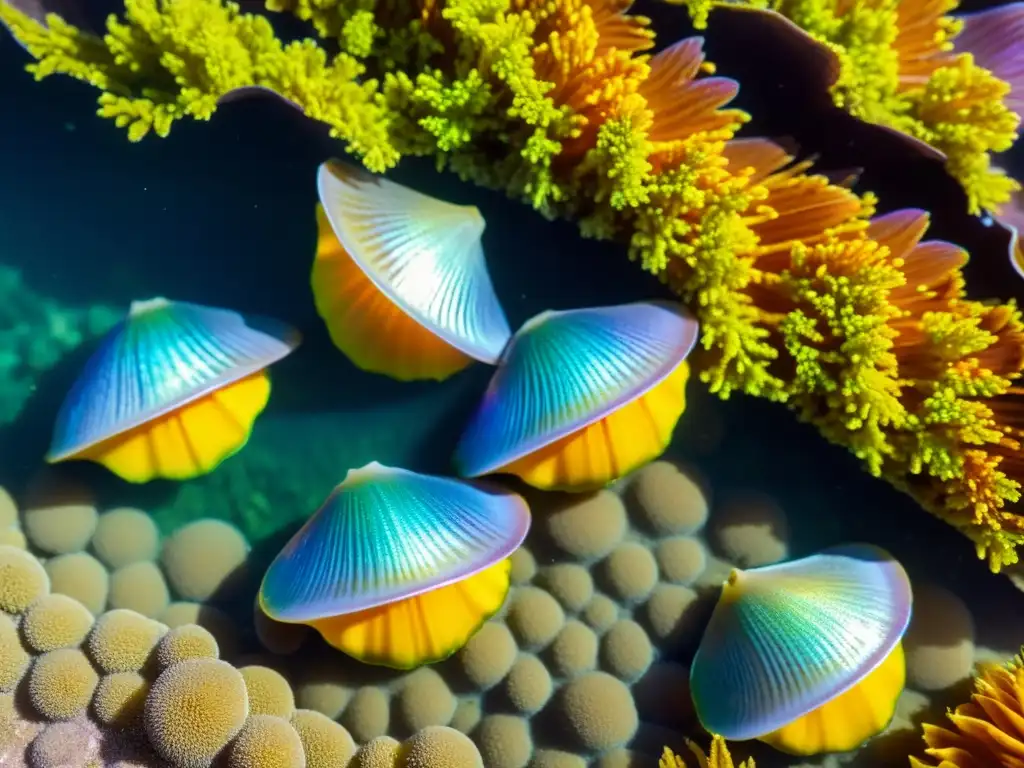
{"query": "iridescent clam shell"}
(386, 534)
(563, 371)
(424, 254)
(785, 639)
(163, 355)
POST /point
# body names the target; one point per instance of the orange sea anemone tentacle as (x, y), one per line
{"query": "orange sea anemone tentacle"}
(987, 730)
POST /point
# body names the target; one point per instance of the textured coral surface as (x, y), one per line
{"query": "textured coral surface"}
(121, 689)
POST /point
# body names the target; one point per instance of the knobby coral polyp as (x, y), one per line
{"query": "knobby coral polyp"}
(804, 295)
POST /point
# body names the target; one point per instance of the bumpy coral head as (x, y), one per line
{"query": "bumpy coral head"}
(583, 397)
(805, 655)
(172, 391)
(400, 278)
(397, 568)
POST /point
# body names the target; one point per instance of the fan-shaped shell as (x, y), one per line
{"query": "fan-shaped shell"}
(1011, 221)
(386, 534)
(785, 639)
(424, 254)
(565, 370)
(163, 355)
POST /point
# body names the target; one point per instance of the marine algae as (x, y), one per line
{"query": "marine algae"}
(718, 757)
(803, 297)
(898, 68)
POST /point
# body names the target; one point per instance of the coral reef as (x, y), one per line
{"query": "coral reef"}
(855, 323)
(898, 67)
(37, 333)
(116, 559)
(125, 690)
(122, 647)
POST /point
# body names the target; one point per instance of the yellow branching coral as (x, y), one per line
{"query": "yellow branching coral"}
(804, 296)
(718, 758)
(986, 731)
(878, 348)
(898, 69)
(169, 60)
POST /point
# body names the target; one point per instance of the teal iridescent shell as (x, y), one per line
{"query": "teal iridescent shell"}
(563, 371)
(785, 639)
(163, 355)
(386, 534)
(424, 254)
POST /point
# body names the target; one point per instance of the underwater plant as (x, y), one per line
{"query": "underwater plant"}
(985, 731)
(802, 297)
(718, 757)
(951, 85)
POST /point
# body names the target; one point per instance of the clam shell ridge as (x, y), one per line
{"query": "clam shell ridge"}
(163, 355)
(385, 534)
(424, 254)
(565, 370)
(785, 639)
